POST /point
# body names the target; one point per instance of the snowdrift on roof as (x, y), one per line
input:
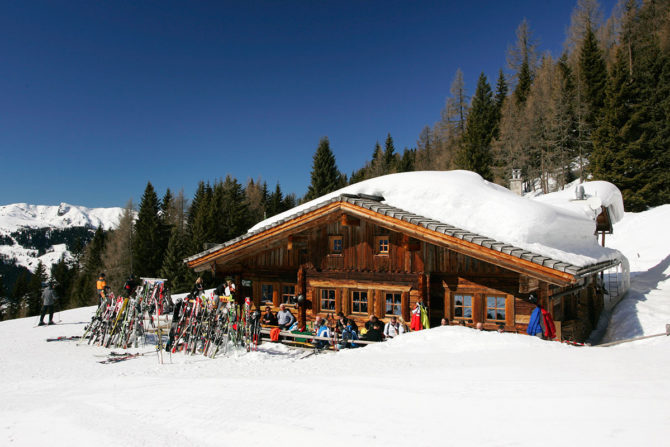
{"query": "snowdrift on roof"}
(465, 200)
(609, 196)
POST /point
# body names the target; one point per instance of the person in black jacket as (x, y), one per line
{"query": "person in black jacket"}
(376, 331)
(343, 322)
(198, 287)
(130, 286)
(269, 318)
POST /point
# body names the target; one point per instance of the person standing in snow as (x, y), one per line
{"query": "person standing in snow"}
(130, 286)
(100, 284)
(48, 300)
(224, 291)
(198, 287)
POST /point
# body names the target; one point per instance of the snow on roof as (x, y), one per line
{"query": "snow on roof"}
(465, 200)
(604, 193)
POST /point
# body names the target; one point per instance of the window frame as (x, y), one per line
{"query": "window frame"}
(496, 307)
(394, 305)
(353, 302)
(471, 306)
(378, 247)
(328, 299)
(331, 245)
(271, 302)
(282, 295)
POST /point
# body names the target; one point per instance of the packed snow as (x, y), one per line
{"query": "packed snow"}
(465, 200)
(645, 241)
(443, 386)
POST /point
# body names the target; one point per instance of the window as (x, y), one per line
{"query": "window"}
(266, 294)
(335, 245)
(382, 245)
(359, 302)
(288, 295)
(463, 307)
(495, 308)
(327, 301)
(393, 303)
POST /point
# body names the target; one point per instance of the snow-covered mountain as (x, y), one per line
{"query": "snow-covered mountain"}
(23, 215)
(33, 233)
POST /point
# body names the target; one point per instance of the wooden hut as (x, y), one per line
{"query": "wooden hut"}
(354, 254)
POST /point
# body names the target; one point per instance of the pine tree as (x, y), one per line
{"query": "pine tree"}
(325, 177)
(148, 245)
(565, 135)
(64, 274)
(174, 269)
(500, 96)
(476, 153)
(276, 202)
(234, 219)
(19, 295)
(522, 59)
(199, 225)
(389, 155)
(34, 296)
(406, 163)
(83, 291)
(593, 74)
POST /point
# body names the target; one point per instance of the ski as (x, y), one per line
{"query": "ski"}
(64, 338)
(120, 358)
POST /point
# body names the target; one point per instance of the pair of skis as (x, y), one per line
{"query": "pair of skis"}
(116, 357)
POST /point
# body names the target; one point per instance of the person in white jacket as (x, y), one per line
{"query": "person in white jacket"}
(393, 328)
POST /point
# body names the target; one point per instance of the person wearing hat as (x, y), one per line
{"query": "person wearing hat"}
(48, 300)
(100, 284)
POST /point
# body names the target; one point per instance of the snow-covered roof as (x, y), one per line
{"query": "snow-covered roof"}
(465, 200)
(464, 205)
(594, 194)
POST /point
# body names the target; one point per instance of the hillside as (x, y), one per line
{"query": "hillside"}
(33, 233)
(444, 386)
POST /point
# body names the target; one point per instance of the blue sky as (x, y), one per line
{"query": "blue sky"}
(97, 98)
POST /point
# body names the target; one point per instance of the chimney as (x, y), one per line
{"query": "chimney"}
(516, 183)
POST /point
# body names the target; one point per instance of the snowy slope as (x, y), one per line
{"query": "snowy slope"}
(645, 240)
(444, 386)
(464, 199)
